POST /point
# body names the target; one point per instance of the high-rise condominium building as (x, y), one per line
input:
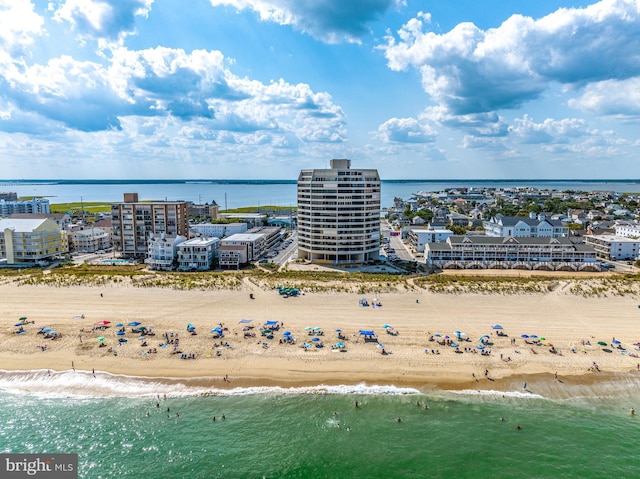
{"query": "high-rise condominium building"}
(339, 214)
(133, 222)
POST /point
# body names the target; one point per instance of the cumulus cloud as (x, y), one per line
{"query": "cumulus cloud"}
(194, 87)
(19, 24)
(469, 71)
(405, 130)
(332, 21)
(610, 97)
(111, 20)
(525, 130)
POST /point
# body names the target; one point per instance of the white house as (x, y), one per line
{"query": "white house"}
(162, 251)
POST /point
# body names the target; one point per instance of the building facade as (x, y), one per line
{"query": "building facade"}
(490, 252)
(339, 214)
(525, 226)
(614, 247)
(198, 254)
(31, 240)
(133, 223)
(219, 230)
(418, 238)
(162, 251)
(90, 240)
(36, 205)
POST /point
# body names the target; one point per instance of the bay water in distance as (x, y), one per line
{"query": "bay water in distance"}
(123, 427)
(239, 193)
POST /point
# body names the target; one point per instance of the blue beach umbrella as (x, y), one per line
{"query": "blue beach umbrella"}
(496, 326)
(524, 336)
(338, 330)
(287, 333)
(134, 323)
(119, 325)
(480, 346)
(18, 324)
(340, 345)
(315, 340)
(615, 341)
(45, 330)
(121, 333)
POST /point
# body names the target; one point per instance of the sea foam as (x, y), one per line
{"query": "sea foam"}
(85, 385)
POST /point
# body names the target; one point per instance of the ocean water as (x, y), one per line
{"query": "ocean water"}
(115, 426)
(239, 193)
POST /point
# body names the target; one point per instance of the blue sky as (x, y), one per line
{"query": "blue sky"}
(262, 88)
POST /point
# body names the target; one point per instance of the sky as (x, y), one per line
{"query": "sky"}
(255, 89)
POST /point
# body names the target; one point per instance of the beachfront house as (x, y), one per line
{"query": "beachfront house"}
(31, 241)
(198, 254)
(162, 251)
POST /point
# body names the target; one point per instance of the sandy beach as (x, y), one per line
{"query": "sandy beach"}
(567, 322)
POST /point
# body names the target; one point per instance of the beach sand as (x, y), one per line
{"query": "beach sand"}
(563, 319)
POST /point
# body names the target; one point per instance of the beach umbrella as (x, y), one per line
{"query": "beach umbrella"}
(386, 326)
(315, 340)
(461, 335)
(615, 341)
(438, 335)
(480, 346)
(121, 333)
(381, 346)
(18, 324)
(542, 339)
(317, 328)
(338, 330)
(340, 345)
(102, 323)
(119, 325)
(524, 336)
(496, 326)
(100, 339)
(533, 336)
(287, 333)
(24, 318)
(46, 330)
(454, 345)
(308, 328)
(602, 343)
(134, 323)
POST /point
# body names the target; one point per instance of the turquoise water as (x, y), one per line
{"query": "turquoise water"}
(283, 433)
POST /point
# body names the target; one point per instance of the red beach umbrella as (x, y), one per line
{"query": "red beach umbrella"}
(102, 323)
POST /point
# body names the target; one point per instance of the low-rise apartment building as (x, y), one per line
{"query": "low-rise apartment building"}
(31, 240)
(419, 237)
(198, 254)
(90, 240)
(491, 252)
(614, 247)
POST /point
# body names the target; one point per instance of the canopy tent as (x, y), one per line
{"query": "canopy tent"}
(367, 332)
(271, 323)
